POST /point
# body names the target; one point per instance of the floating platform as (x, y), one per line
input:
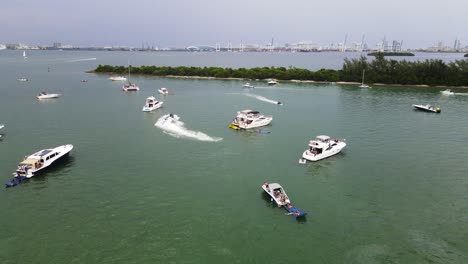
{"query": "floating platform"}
(294, 211)
(15, 181)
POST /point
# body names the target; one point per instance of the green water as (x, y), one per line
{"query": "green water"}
(131, 193)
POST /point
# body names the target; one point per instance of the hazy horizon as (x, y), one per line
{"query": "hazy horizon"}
(206, 22)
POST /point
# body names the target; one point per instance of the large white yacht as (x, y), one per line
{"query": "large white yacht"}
(250, 119)
(38, 161)
(117, 78)
(323, 147)
(151, 104)
(44, 95)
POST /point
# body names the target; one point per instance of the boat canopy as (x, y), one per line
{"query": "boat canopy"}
(248, 111)
(323, 138)
(317, 144)
(29, 161)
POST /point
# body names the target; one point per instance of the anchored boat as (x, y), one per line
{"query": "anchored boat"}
(163, 91)
(323, 147)
(278, 194)
(38, 161)
(247, 119)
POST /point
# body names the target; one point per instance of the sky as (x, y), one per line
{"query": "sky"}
(181, 23)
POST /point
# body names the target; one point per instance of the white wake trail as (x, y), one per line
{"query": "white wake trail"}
(89, 59)
(171, 125)
(264, 99)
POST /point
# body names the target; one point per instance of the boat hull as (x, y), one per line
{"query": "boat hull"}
(149, 109)
(255, 124)
(325, 154)
(48, 96)
(426, 109)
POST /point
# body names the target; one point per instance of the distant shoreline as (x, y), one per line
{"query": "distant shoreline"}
(288, 81)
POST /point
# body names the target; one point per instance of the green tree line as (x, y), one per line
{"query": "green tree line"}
(380, 70)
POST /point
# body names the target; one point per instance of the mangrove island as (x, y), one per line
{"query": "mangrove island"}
(380, 70)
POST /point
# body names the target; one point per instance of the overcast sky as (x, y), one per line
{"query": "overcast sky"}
(419, 23)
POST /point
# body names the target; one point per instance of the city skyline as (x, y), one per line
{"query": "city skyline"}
(182, 23)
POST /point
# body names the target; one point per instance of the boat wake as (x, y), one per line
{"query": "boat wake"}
(264, 99)
(89, 59)
(171, 125)
(460, 93)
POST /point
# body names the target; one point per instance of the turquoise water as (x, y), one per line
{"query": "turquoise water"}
(131, 193)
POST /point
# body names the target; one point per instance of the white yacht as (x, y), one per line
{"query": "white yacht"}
(248, 85)
(151, 104)
(22, 79)
(1, 126)
(44, 95)
(323, 147)
(40, 160)
(427, 108)
(277, 193)
(250, 119)
(117, 78)
(447, 92)
(163, 91)
(272, 82)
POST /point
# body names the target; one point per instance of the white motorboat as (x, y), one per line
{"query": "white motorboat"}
(22, 79)
(323, 147)
(447, 92)
(44, 95)
(1, 126)
(277, 193)
(40, 160)
(163, 91)
(117, 78)
(427, 108)
(272, 82)
(247, 119)
(151, 104)
(248, 85)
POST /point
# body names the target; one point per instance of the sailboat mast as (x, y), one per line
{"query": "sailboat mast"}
(363, 71)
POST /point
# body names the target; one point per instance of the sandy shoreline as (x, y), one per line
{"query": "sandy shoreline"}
(293, 81)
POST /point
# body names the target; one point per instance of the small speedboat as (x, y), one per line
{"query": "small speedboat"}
(250, 119)
(323, 147)
(117, 78)
(1, 126)
(363, 86)
(151, 104)
(38, 161)
(44, 95)
(278, 194)
(427, 108)
(248, 85)
(447, 92)
(22, 79)
(163, 91)
(130, 87)
(272, 82)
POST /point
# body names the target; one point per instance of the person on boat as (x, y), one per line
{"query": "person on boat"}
(267, 186)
